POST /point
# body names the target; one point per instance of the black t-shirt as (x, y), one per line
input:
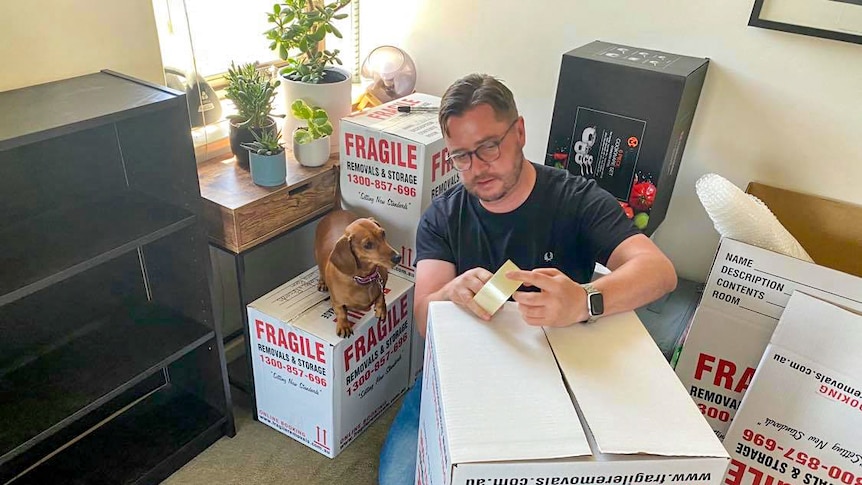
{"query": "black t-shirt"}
(567, 222)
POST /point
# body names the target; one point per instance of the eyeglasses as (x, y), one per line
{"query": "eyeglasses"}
(487, 152)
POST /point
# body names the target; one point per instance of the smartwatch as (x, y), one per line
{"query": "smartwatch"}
(595, 302)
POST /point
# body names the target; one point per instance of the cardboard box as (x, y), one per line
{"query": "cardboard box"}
(829, 230)
(744, 298)
(801, 420)
(392, 165)
(417, 354)
(497, 410)
(311, 384)
(622, 116)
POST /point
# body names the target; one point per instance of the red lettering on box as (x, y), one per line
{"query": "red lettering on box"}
(290, 341)
(725, 373)
(411, 157)
(439, 166)
(364, 344)
(348, 142)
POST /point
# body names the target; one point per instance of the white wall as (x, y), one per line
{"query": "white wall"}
(776, 107)
(42, 41)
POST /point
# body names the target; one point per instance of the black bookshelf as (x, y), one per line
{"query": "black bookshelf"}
(137, 446)
(37, 401)
(56, 245)
(111, 367)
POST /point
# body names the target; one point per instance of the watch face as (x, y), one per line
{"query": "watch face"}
(597, 304)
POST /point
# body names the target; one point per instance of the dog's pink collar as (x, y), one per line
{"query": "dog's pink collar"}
(371, 278)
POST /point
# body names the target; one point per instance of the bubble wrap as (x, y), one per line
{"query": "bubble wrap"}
(744, 217)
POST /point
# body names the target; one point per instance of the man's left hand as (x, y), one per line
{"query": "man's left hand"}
(560, 303)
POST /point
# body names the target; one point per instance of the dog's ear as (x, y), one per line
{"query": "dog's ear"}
(374, 221)
(342, 256)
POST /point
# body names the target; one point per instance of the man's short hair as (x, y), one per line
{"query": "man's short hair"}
(471, 91)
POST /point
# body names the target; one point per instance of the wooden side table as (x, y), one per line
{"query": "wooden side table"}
(260, 237)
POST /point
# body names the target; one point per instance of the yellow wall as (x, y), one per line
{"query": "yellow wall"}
(42, 41)
(776, 107)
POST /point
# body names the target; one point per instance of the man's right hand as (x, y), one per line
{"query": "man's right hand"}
(462, 289)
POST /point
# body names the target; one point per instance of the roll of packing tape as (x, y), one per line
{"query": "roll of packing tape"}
(498, 289)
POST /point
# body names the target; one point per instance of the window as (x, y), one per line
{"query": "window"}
(205, 36)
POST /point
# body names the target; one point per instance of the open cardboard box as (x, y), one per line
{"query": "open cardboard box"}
(748, 288)
(508, 403)
(829, 230)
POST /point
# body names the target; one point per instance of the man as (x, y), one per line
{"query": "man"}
(553, 225)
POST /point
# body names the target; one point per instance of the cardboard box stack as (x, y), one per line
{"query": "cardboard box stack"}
(801, 419)
(314, 386)
(497, 410)
(745, 296)
(748, 289)
(622, 116)
(392, 165)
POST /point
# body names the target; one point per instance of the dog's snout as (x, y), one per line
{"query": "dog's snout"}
(396, 259)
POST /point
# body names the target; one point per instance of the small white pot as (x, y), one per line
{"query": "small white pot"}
(312, 154)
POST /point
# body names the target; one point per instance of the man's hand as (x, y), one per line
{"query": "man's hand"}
(462, 289)
(560, 303)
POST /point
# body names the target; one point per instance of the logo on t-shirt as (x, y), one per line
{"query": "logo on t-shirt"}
(549, 256)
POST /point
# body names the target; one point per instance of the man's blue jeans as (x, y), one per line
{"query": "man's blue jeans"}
(398, 457)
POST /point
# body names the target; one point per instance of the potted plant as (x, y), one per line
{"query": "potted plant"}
(252, 92)
(266, 158)
(311, 143)
(299, 30)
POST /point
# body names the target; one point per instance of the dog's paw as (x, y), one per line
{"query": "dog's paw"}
(321, 285)
(344, 331)
(380, 312)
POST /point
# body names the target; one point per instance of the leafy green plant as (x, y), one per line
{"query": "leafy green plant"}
(252, 92)
(316, 119)
(301, 25)
(266, 143)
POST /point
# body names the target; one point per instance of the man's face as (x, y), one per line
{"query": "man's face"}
(478, 128)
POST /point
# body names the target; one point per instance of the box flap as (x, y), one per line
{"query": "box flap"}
(629, 396)
(829, 230)
(821, 332)
(418, 126)
(320, 320)
(530, 417)
(299, 304)
(754, 283)
(292, 299)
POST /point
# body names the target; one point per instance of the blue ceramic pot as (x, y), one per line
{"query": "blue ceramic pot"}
(268, 170)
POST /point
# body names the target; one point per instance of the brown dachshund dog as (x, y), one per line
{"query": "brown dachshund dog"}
(354, 260)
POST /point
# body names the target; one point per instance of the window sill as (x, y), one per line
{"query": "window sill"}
(211, 141)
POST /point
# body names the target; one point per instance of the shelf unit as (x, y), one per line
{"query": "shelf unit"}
(111, 367)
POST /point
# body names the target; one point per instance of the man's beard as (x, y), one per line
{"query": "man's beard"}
(508, 183)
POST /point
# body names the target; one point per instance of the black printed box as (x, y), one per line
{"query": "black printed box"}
(622, 116)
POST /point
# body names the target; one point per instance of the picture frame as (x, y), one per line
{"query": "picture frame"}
(839, 20)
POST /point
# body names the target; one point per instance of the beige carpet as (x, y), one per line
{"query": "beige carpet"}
(260, 454)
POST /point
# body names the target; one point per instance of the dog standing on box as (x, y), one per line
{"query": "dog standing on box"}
(354, 260)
